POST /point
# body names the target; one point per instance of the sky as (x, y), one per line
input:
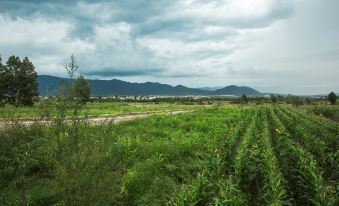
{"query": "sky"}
(281, 46)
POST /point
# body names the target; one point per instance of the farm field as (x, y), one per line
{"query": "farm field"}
(49, 109)
(234, 155)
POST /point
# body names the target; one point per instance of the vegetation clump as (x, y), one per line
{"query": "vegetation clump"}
(18, 82)
(332, 98)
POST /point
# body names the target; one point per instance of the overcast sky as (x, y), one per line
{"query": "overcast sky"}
(286, 46)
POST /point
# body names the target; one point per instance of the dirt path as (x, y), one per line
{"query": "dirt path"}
(93, 120)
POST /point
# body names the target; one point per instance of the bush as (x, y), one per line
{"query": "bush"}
(326, 111)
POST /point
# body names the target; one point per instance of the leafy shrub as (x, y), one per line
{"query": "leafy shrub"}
(330, 112)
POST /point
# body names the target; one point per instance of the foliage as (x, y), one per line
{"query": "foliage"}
(330, 112)
(294, 100)
(80, 90)
(18, 82)
(243, 99)
(274, 99)
(72, 67)
(3, 87)
(332, 98)
(307, 100)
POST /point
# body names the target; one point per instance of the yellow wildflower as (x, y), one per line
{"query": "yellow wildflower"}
(277, 131)
(332, 190)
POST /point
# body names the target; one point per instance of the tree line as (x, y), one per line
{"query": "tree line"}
(18, 81)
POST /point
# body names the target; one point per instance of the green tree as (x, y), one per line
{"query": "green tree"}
(273, 99)
(13, 65)
(72, 67)
(2, 82)
(21, 81)
(294, 100)
(243, 99)
(307, 100)
(281, 98)
(29, 82)
(80, 90)
(332, 98)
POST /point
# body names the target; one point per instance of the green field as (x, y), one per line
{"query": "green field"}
(49, 109)
(234, 155)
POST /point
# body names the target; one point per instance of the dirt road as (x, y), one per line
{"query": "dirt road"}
(92, 120)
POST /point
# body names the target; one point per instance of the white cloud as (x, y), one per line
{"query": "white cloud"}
(19, 30)
(283, 46)
(46, 42)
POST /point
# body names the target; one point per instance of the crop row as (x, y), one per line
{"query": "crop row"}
(272, 157)
(298, 165)
(254, 155)
(324, 146)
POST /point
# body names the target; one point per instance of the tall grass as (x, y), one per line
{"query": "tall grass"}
(143, 162)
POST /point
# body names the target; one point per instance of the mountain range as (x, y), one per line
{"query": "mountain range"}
(48, 85)
(209, 88)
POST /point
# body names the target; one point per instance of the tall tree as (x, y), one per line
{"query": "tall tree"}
(294, 100)
(29, 91)
(273, 99)
(81, 90)
(2, 82)
(72, 67)
(332, 98)
(13, 65)
(22, 81)
(243, 99)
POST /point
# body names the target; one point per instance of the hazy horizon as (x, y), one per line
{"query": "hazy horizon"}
(273, 46)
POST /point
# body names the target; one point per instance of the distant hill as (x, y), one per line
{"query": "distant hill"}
(210, 89)
(50, 84)
(235, 90)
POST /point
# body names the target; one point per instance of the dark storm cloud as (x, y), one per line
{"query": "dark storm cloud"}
(161, 18)
(79, 12)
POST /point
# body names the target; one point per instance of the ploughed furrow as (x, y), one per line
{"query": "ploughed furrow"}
(257, 169)
(298, 167)
(215, 185)
(325, 155)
